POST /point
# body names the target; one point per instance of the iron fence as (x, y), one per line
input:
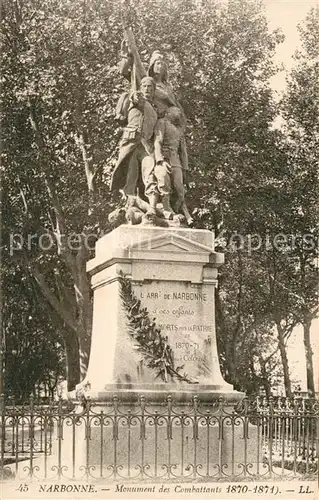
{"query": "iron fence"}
(259, 439)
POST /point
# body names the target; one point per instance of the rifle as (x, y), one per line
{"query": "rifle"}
(138, 70)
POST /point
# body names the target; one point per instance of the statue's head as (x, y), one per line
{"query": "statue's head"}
(147, 88)
(158, 66)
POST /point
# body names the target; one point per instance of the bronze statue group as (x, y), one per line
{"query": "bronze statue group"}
(152, 166)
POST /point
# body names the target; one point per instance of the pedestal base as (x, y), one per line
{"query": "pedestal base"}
(171, 274)
(153, 393)
(177, 439)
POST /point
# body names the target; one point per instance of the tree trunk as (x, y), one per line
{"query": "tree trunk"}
(308, 354)
(306, 323)
(238, 327)
(267, 387)
(284, 359)
(229, 336)
(72, 360)
(222, 336)
(85, 306)
(265, 377)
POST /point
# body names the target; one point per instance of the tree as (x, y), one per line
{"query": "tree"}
(243, 328)
(300, 108)
(33, 347)
(60, 117)
(255, 317)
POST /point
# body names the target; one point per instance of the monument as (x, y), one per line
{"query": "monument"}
(170, 268)
(153, 279)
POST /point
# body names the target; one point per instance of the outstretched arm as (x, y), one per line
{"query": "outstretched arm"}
(130, 55)
(126, 61)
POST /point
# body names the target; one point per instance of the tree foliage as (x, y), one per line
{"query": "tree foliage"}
(300, 108)
(34, 353)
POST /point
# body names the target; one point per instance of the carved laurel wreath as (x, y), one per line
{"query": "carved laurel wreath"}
(148, 338)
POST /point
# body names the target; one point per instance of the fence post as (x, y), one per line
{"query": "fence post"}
(115, 434)
(270, 437)
(315, 408)
(31, 434)
(169, 432)
(60, 436)
(295, 410)
(3, 435)
(245, 433)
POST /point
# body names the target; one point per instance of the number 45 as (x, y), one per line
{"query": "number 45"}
(23, 488)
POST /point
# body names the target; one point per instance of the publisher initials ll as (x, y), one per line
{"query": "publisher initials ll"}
(304, 489)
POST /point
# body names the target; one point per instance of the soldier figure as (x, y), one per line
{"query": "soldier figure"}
(153, 116)
(170, 154)
(137, 140)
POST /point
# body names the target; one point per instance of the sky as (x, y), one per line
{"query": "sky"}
(286, 14)
(295, 353)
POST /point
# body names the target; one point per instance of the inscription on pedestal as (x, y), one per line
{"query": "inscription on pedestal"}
(185, 315)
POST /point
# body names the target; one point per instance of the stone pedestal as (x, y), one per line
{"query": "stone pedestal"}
(173, 272)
